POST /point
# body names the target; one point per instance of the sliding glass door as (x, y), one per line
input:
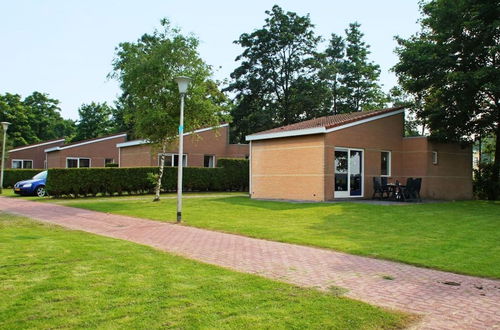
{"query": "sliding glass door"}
(348, 173)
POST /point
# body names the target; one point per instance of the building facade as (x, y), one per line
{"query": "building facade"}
(31, 156)
(337, 157)
(202, 148)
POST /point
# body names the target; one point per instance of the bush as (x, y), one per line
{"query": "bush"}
(11, 176)
(111, 165)
(483, 185)
(77, 182)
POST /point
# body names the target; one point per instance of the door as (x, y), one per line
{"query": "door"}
(348, 173)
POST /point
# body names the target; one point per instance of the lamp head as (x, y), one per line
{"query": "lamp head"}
(183, 83)
(5, 125)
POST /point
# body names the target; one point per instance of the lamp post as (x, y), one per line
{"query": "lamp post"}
(5, 126)
(183, 83)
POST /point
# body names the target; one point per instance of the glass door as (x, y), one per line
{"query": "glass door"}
(348, 173)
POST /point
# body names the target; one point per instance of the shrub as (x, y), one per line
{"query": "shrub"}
(484, 187)
(77, 182)
(111, 165)
(11, 176)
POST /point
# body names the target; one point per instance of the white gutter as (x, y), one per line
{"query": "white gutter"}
(139, 142)
(85, 143)
(36, 145)
(319, 130)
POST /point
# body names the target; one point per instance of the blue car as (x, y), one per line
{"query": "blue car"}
(35, 186)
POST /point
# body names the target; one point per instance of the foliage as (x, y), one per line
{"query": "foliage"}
(484, 185)
(359, 76)
(57, 278)
(11, 176)
(146, 70)
(277, 59)
(94, 121)
(452, 65)
(81, 182)
(33, 119)
(464, 240)
(282, 78)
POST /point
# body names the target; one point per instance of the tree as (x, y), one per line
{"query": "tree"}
(13, 110)
(332, 62)
(453, 65)
(146, 70)
(276, 60)
(94, 121)
(45, 118)
(359, 76)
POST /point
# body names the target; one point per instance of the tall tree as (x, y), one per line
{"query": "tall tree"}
(276, 60)
(332, 62)
(453, 64)
(13, 110)
(359, 79)
(45, 118)
(94, 121)
(146, 70)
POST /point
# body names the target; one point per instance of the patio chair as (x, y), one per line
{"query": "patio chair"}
(379, 188)
(408, 191)
(417, 184)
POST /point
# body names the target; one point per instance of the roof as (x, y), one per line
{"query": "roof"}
(84, 142)
(142, 141)
(325, 124)
(35, 145)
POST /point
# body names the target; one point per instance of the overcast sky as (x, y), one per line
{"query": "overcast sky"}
(65, 48)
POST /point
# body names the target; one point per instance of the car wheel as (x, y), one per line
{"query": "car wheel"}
(40, 191)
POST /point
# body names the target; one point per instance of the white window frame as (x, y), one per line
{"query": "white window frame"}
(22, 163)
(168, 154)
(389, 163)
(213, 161)
(78, 159)
(342, 195)
(434, 158)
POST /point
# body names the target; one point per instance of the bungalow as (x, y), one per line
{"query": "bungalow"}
(337, 156)
(89, 153)
(202, 148)
(31, 156)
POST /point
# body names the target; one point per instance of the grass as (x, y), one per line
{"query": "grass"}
(460, 237)
(56, 278)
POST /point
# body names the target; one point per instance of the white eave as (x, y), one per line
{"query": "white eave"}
(86, 142)
(36, 145)
(318, 130)
(140, 142)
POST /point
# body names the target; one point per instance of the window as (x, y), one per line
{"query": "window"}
(435, 157)
(173, 160)
(108, 161)
(385, 163)
(22, 163)
(73, 162)
(209, 161)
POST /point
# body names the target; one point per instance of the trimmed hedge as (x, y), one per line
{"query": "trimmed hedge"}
(11, 176)
(80, 182)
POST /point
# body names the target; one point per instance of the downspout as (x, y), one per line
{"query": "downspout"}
(119, 156)
(250, 171)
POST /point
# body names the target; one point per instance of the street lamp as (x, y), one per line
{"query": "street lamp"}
(183, 83)
(5, 126)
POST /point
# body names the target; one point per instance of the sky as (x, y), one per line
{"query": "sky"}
(65, 48)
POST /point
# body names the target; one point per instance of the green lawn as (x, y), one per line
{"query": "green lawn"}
(460, 237)
(56, 278)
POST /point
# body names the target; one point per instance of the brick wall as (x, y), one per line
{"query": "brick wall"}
(36, 154)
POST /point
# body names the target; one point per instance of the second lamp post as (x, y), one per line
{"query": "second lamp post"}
(183, 83)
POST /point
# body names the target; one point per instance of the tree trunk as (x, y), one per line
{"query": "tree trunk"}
(495, 193)
(160, 172)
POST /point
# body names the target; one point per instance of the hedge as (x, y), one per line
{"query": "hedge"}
(80, 182)
(11, 176)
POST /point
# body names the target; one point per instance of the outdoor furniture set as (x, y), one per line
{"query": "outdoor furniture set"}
(396, 191)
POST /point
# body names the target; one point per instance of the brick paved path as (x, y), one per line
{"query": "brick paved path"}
(475, 304)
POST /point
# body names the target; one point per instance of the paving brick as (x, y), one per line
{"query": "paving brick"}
(414, 289)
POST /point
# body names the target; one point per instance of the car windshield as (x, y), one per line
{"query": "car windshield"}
(40, 176)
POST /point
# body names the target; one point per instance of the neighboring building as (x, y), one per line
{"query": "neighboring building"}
(337, 157)
(202, 148)
(89, 153)
(31, 156)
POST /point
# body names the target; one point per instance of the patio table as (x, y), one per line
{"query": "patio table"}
(395, 191)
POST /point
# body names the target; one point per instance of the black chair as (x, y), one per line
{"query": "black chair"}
(379, 188)
(411, 190)
(417, 184)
